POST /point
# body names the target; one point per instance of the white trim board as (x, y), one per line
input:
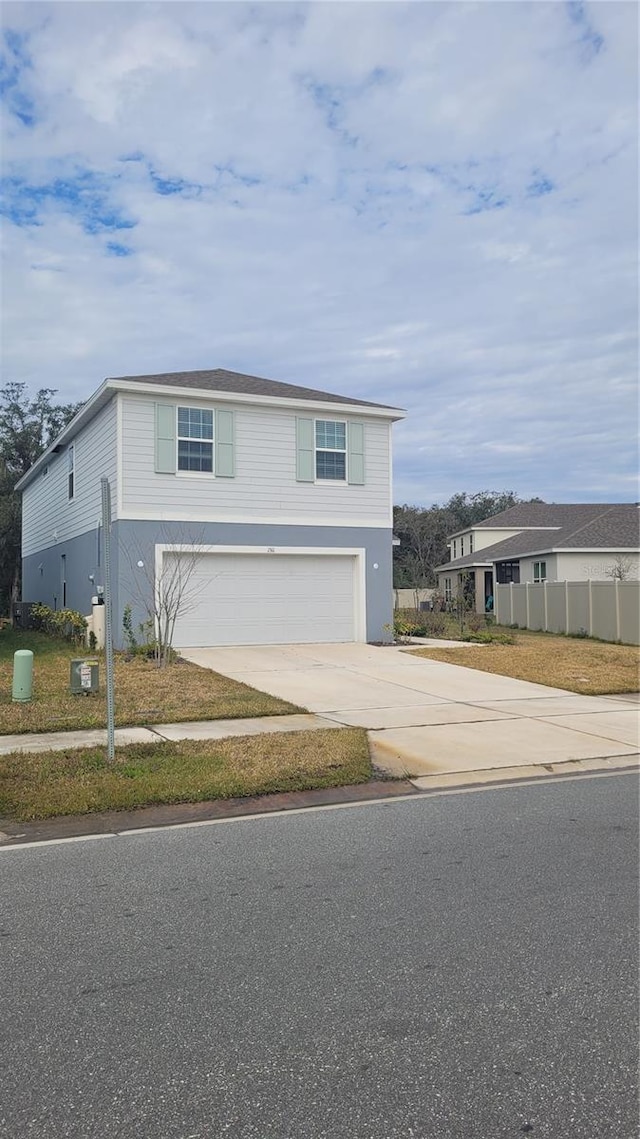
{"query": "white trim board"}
(254, 519)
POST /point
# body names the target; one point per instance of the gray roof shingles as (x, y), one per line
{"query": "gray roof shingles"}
(541, 514)
(221, 380)
(581, 526)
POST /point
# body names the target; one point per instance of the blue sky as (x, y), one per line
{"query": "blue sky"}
(432, 205)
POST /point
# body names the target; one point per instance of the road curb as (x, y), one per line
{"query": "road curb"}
(113, 823)
(164, 815)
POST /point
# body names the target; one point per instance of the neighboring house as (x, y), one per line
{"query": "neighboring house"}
(535, 542)
(282, 492)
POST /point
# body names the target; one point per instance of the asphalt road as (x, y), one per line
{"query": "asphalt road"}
(457, 967)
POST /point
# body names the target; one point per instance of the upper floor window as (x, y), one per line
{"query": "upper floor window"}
(195, 439)
(470, 543)
(539, 571)
(462, 547)
(71, 470)
(455, 549)
(331, 450)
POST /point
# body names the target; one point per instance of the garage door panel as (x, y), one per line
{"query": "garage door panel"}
(268, 599)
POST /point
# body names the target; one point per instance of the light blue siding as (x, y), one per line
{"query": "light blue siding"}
(49, 517)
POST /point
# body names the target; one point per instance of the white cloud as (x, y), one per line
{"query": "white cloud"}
(431, 205)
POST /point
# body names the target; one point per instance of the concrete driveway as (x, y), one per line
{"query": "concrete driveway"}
(427, 718)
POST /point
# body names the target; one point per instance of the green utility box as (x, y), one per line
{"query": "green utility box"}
(84, 676)
(22, 676)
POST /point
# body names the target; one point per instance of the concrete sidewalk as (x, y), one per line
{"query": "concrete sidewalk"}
(428, 718)
(194, 730)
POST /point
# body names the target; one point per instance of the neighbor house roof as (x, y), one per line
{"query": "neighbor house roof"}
(221, 380)
(540, 516)
(595, 526)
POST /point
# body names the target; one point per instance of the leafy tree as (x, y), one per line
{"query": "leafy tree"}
(423, 537)
(27, 427)
(469, 509)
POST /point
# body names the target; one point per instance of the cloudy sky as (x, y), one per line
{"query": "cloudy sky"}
(428, 204)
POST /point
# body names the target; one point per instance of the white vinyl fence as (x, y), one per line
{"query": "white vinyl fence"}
(609, 610)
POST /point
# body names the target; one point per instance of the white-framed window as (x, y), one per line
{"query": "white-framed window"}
(195, 440)
(455, 550)
(331, 450)
(71, 471)
(462, 547)
(448, 593)
(539, 571)
(470, 543)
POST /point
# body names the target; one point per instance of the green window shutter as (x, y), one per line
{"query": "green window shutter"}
(165, 449)
(305, 451)
(355, 457)
(225, 445)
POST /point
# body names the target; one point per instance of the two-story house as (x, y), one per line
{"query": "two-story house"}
(539, 541)
(276, 497)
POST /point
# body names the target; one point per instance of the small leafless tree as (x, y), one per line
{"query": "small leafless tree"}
(165, 593)
(463, 600)
(620, 570)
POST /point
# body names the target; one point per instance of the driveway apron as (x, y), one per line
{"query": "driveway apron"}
(425, 717)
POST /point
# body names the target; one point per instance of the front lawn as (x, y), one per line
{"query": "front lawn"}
(593, 668)
(41, 786)
(144, 693)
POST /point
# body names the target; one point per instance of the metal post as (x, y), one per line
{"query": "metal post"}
(108, 641)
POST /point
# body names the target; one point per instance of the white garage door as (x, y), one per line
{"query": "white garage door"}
(267, 599)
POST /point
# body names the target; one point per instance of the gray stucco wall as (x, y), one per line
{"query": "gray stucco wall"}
(42, 572)
(135, 541)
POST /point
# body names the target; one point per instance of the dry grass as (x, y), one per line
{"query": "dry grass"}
(593, 668)
(144, 693)
(40, 786)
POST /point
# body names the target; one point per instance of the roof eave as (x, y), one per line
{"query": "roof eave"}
(466, 565)
(374, 411)
(570, 550)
